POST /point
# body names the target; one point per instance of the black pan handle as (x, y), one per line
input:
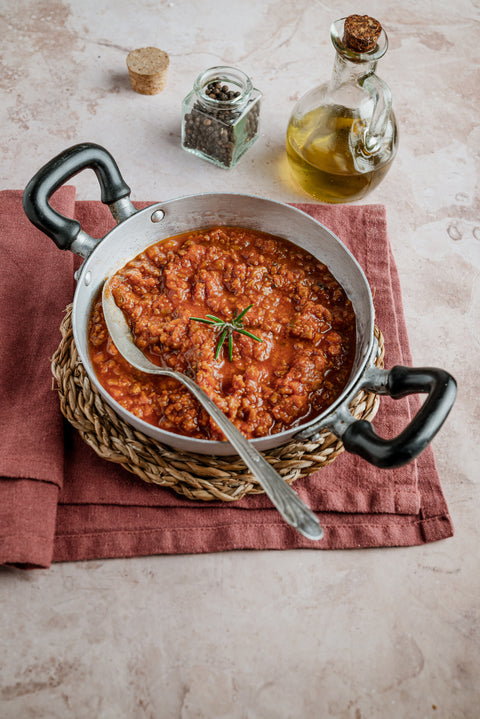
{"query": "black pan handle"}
(36, 197)
(360, 437)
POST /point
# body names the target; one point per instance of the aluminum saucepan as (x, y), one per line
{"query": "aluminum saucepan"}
(137, 229)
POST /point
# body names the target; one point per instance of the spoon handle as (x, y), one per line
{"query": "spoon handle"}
(294, 511)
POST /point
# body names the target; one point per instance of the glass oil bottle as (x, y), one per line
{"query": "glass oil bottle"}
(342, 137)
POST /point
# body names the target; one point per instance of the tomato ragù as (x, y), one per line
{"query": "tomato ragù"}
(301, 316)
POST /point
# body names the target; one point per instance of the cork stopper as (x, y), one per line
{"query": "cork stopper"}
(361, 32)
(147, 67)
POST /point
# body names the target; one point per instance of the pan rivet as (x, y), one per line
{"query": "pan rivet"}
(88, 278)
(157, 216)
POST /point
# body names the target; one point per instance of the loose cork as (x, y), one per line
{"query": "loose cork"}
(147, 67)
(361, 32)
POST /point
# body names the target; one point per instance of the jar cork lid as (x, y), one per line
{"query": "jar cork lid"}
(361, 33)
(147, 68)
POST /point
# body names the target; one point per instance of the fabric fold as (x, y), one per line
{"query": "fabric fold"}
(59, 501)
(35, 280)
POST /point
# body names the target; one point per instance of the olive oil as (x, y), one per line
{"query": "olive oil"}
(327, 156)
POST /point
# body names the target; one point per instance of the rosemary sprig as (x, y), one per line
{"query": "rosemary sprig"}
(226, 329)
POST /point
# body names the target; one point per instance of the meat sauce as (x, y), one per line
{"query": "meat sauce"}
(302, 315)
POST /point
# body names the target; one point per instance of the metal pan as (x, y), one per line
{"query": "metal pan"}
(136, 230)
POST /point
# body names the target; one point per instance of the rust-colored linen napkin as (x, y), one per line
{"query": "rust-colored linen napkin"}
(59, 501)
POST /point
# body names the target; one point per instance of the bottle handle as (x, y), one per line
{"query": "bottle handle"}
(382, 106)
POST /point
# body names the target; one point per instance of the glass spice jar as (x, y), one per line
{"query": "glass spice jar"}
(220, 116)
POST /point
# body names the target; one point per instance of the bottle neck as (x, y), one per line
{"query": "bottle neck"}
(348, 72)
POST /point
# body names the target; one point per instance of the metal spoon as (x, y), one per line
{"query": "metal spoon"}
(294, 511)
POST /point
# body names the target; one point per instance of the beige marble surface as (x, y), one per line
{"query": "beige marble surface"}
(263, 635)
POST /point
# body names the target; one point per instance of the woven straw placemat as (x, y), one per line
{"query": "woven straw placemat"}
(196, 476)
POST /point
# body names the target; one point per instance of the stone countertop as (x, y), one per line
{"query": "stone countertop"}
(363, 634)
